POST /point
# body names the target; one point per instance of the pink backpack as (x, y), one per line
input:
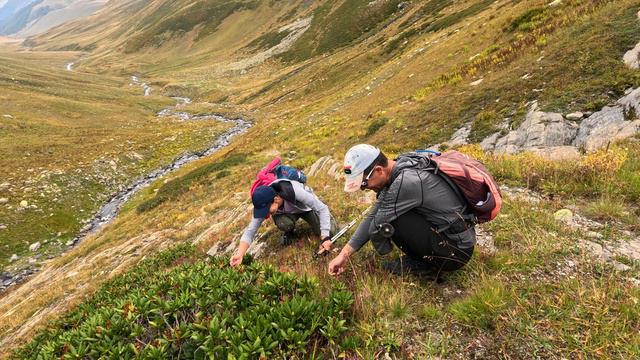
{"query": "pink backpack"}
(474, 181)
(265, 176)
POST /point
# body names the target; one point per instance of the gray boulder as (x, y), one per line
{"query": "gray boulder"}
(539, 130)
(631, 102)
(605, 126)
(632, 57)
(553, 137)
(489, 143)
(34, 247)
(460, 137)
(575, 116)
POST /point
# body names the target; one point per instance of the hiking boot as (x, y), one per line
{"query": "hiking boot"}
(288, 238)
(407, 265)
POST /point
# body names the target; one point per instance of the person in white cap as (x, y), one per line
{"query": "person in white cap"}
(416, 209)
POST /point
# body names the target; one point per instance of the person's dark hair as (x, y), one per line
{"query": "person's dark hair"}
(381, 160)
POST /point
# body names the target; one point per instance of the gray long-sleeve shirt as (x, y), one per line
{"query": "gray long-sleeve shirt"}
(413, 187)
(305, 200)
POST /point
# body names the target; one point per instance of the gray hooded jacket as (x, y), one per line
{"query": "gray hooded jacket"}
(414, 186)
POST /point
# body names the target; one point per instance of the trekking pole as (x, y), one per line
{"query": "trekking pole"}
(339, 234)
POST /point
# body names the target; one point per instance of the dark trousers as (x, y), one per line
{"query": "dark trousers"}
(287, 222)
(415, 237)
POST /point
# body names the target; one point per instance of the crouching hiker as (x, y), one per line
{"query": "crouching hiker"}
(286, 200)
(418, 209)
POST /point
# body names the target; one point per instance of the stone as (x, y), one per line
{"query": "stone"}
(592, 247)
(574, 116)
(489, 143)
(14, 257)
(257, 249)
(315, 168)
(620, 266)
(213, 251)
(539, 130)
(24, 203)
(632, 57)
(34, 247)
(631, 100)
(477, 82)
(564, 215)
(3, 227)
(460, 137)
(4, 200)
(604, 127)
(594, 235)
(555, 3)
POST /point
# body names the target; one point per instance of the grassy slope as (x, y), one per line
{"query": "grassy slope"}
(539, 294)
(60, 124)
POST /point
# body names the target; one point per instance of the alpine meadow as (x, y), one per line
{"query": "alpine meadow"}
(131, 132)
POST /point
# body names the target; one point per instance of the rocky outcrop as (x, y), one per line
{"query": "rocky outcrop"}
(539, 130)
(611, 123)
(460, 137)
(555, 137)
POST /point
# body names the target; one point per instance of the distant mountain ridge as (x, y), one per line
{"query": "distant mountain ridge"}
(22, 19)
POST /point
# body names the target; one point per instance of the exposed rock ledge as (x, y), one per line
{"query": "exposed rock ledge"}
(553, 136)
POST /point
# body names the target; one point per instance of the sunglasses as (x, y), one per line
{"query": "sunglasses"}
(365, 181)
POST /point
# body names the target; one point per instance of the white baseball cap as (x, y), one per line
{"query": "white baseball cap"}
(356, 161)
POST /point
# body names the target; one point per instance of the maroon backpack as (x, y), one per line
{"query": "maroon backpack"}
(471, 177)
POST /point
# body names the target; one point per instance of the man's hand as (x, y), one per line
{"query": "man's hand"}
(336, 266)
(236, 259)
(326, 244)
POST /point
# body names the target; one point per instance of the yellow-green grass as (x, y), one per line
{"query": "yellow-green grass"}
(538, 294)
(69, 140)
(520, 301)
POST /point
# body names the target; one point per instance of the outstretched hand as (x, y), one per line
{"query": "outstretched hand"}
(336, 266)
(236, 259)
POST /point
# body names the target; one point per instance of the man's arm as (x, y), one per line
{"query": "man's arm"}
(246, 240)
(336, 266)
(362, 233)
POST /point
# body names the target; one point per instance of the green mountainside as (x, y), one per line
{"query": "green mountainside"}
(314, 78)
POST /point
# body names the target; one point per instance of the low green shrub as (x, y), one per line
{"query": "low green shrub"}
(198, 309)
(375, 125)
(528, 20)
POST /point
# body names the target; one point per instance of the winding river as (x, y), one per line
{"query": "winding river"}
(112, 207)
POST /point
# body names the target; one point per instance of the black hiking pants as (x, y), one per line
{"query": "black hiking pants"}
(415, 237)
(287, 222)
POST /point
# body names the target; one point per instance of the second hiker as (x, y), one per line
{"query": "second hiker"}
(286, 199)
